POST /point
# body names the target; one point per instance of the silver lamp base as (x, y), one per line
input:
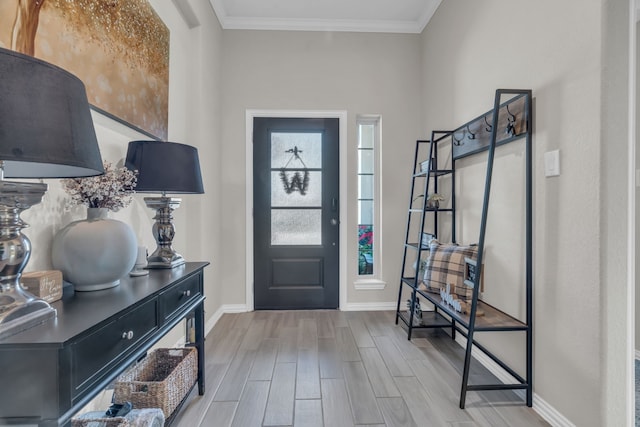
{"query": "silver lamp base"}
(19, 310)
(24, 315)
(168, 261)
(163, 232)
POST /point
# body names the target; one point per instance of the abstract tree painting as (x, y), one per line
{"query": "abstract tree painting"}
(118, 48)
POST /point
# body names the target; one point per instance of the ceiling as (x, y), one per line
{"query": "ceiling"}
(384, 16)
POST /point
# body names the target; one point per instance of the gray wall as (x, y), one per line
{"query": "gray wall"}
(472, 48)
(356, 72)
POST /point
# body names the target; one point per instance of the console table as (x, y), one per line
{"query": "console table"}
(49, 372)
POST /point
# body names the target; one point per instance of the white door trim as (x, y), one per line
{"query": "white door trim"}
(342, 117)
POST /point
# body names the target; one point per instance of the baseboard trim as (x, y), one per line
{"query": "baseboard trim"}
(225, 308)
(354, 306)
(549, 413)
(370, 306)
(234, 308)
(541, 406)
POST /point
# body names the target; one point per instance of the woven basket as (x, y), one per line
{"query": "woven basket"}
(161, 380)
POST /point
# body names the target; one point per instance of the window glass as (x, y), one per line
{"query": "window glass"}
(367, 135)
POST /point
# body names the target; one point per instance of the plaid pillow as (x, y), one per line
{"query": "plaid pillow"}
(446, 265)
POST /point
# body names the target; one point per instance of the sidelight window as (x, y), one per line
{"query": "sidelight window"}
(368, 232)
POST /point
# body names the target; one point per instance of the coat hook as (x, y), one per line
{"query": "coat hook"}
(471, 134)
(489, 126)
(511, 120)
(457, 142)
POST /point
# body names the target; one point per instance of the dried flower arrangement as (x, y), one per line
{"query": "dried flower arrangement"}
(112, 190)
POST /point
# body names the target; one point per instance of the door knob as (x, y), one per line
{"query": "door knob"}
(334, 221)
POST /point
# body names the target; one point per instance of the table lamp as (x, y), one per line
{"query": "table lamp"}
(46, 131)
(164, 167)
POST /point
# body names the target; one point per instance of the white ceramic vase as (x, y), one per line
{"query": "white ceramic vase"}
(94, 253)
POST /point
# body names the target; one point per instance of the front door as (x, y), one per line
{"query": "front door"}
(296, 213)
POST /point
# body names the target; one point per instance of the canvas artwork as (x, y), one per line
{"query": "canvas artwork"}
(118, 48)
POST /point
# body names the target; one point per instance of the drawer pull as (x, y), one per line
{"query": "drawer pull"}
(127, 335)
(186, 293)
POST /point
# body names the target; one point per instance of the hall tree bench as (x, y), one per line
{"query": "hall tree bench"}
(51, 371)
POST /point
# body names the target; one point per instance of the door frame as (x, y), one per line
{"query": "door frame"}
(341, 115)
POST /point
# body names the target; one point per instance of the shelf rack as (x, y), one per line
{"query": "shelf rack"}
(506, 122)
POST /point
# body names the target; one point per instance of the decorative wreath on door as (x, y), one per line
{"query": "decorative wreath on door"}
(297, 182)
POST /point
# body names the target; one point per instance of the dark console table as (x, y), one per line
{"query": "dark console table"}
(49, 372)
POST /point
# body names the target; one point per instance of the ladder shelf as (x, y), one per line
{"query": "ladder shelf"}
(506, 122)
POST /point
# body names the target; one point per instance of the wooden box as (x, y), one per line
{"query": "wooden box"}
(46, 285)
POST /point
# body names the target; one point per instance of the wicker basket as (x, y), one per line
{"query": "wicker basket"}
(161, 380)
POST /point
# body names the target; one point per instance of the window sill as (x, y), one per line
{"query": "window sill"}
(369, 285)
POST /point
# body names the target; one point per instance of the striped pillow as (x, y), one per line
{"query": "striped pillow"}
(446, 265)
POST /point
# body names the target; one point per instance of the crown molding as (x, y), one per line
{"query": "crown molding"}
(428, 14)
(342, 25)
(229, 23)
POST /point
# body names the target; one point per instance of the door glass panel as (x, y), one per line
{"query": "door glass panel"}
(296, 182)
(312, 195)
(309, 150)
(296, 226)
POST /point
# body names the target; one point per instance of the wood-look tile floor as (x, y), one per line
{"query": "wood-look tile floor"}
(334, 369)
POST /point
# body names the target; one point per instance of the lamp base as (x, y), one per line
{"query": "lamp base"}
(24, 317)
(163, 231)
(19, 310)
(172, 261)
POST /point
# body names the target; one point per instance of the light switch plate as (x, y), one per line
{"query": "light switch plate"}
(552, 163)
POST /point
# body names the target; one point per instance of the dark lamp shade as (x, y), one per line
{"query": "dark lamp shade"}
(165, 167)
(46, 130)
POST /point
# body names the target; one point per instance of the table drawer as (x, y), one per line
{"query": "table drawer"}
(172, 300)
(94, 355)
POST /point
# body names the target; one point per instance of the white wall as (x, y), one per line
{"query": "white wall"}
(202, 121)
(473, 48)
(193, 119)
(355, 72)
(616, 248)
